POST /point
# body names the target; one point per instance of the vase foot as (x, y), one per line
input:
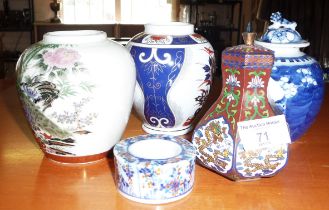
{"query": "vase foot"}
(169, 131)
(81, 159)
(154, 201)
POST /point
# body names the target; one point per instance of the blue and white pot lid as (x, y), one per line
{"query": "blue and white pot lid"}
(282, 32)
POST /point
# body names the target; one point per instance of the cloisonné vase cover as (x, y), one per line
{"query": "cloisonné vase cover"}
(296, 87)
(76, 88)
(174, 72)
(246, 70)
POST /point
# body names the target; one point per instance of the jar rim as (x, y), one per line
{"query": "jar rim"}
(169, 28)
(300, 44)
(74, 36)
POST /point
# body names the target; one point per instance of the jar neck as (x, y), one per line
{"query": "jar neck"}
(171, 28)
(287, 52)
(74, 37)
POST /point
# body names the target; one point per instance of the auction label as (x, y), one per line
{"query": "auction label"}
(265, 132)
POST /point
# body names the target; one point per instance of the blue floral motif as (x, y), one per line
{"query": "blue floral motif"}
(281, 30)
(190, 168)
(31, 93)
(302, 86)
(129, 173)
(146, 172)
(207, 81)
(157, 70)
(123, 183)
(207, 69)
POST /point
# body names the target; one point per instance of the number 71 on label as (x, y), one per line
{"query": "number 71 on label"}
(265, 132)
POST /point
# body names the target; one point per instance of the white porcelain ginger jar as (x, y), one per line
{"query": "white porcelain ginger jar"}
(174, 69)
(76, 89)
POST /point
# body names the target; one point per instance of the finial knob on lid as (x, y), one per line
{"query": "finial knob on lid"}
(249, 36)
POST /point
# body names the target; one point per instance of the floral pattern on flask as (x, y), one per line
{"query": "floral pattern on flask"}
(230, 98)
(255, 96)
(56, 131)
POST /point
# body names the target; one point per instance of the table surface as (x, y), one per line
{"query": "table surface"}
(31, 181)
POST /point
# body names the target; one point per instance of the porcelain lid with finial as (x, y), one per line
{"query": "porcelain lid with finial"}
(282, 32)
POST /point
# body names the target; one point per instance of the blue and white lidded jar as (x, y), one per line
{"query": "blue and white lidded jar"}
(174, 72)
(296, 87)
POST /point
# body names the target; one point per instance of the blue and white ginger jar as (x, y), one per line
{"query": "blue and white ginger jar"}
(174, 72)
(296, 87)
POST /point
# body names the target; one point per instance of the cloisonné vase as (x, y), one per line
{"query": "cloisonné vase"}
(296, 87)
(174, 72)
(246, 70)
(76, 88)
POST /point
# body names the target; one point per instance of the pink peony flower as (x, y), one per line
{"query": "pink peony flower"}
(61, 58)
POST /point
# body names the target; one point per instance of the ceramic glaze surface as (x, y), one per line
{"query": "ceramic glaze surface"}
(155, 87)
(296, 87)
(281, 30)
(246, 70)
(144, 173)
(167, 64)
(69, 92)
(218, 156)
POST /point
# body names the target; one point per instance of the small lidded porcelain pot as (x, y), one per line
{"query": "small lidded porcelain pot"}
(174, 72)
(154, 168)
(296, 87)
(76, 88)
